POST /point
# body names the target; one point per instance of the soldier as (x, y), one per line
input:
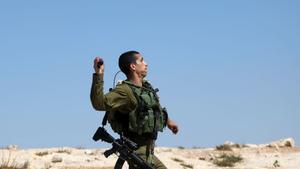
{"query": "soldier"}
(133, 106)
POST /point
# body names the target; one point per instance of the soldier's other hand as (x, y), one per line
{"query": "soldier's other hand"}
(172, 126)
(98, 70)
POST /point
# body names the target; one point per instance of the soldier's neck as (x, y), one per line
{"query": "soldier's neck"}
(138, 81)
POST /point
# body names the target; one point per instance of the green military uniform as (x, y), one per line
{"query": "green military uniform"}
(140, 111)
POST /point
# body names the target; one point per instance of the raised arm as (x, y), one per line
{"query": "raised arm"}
(120, 99)
(97, 95)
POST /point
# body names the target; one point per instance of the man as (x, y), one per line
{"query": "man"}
(133, 106)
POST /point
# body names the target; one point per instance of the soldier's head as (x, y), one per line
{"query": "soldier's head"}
(132, 62)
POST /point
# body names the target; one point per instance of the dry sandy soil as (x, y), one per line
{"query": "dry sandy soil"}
(280, 154)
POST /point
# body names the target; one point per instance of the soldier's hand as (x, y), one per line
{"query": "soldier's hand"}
(98, 70)
(172, 126)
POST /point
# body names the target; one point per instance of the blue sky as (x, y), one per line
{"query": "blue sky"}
(226, 70)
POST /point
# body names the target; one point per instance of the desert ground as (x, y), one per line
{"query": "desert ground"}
(280, 154)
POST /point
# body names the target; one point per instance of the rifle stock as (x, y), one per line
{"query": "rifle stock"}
(124, 146)
(102, 134)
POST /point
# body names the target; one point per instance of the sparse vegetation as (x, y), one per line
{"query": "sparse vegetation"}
(276, 164)
(236, 146)
(224, 147)
(42, 153)
(187, 165)
(226, 160)
(181, 147)
(197, 147)
(182, 163)
(67, 151)
(202, 158)
(178, 160)
(288, 144)
(228, 147)
(10, 163)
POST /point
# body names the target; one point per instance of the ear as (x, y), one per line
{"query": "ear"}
(133, 66)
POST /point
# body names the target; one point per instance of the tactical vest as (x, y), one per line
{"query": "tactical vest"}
(147, 118)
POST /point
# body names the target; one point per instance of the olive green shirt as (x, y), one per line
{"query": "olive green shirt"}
(119, 99)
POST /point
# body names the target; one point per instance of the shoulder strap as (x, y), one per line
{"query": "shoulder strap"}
(148, 86)
(104, 120)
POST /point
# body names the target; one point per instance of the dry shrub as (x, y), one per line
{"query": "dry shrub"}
(42, 153)
(66, 151)
(187, 165)
(178, 160)
(224, 147)
(10, 163)
(227, 160)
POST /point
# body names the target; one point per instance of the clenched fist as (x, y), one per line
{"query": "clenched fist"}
(99, 65)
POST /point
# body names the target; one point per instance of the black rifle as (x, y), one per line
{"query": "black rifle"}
(123, 146)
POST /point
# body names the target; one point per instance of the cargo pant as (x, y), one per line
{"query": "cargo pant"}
(147, 153)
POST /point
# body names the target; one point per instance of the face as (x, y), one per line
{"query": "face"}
(140, 66)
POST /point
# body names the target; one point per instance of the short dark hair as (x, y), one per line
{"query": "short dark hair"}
(126, 59)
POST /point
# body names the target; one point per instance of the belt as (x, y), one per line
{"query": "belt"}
(140, 140)
(143, 142)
